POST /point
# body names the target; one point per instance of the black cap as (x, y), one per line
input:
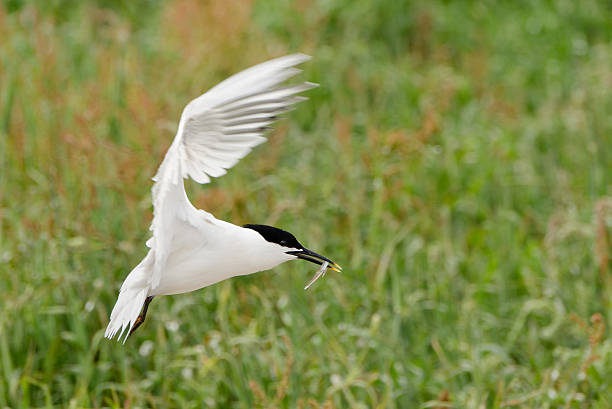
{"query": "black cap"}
(275, 235)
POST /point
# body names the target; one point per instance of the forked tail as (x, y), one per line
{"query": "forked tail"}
(132, 296)
(126, 311)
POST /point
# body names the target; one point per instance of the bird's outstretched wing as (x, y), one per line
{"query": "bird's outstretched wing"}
(216, 130)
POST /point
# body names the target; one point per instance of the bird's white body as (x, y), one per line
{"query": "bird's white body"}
(190, 248)
(202, 258)
(223, 251)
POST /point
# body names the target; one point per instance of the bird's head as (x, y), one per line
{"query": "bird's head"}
(289, 245)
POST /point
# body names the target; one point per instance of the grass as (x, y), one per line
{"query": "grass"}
(456, 160)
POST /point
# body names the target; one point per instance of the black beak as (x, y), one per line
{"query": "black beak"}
(313, 257)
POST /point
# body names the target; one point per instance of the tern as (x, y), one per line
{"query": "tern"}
(189, 248)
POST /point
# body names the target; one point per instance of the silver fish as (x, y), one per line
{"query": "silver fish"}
(320, 272)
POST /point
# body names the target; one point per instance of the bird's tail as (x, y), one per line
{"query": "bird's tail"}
(131, 298)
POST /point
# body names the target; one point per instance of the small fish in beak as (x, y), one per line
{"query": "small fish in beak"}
(313, 257)
(320, 272)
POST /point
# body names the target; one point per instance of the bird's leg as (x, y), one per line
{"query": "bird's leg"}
(142, 315)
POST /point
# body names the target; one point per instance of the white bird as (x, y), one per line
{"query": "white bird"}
(190, 248)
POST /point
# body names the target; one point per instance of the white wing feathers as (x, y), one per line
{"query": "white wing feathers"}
(216, 130)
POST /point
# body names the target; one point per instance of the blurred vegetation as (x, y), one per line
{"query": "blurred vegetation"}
(456, 160)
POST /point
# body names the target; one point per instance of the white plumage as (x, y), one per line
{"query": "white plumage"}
(189, 247)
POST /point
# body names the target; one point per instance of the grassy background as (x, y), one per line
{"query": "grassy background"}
(456, 160)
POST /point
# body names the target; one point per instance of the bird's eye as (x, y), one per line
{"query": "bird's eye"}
(283, 243)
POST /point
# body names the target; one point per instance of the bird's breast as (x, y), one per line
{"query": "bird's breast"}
(203, 265)
(200, 269)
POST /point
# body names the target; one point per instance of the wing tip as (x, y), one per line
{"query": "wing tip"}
(296, 58)
(310, 85)
(302, 57)
(287, 61)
